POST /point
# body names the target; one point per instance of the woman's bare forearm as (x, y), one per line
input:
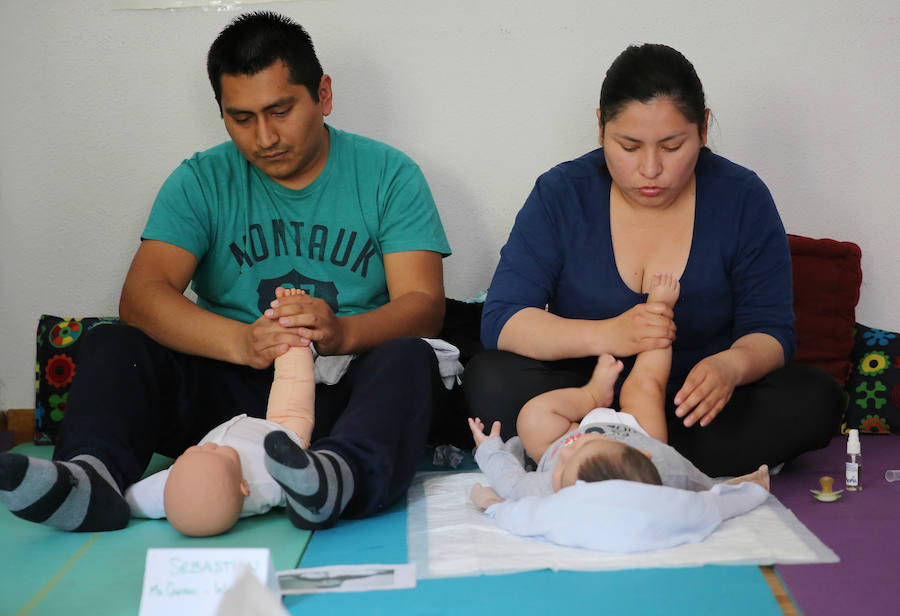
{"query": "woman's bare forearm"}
(542, 335)
(754, 356)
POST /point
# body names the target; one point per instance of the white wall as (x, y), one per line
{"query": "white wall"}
(99, 105)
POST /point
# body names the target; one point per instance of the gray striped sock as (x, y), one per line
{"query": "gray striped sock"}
(318, 484)
(78, 495)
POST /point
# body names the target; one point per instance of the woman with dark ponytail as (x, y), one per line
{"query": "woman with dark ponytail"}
(572, 280)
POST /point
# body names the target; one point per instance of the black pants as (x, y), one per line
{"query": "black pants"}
(133, 397)
(791, 410)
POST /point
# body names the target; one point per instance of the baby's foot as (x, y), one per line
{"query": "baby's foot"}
(602, 383)
(760, 477)
(282, 292)
(664, 288)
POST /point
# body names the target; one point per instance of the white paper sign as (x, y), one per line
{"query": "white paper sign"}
(193, 581)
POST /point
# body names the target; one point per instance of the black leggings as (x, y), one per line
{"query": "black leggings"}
(789, 411)
(133, 397)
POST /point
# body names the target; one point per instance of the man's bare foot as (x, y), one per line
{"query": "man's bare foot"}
(760, 476)
(664, 288)
(603, 381)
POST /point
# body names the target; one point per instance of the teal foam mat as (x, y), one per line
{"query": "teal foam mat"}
(49, 572)
(736, 591)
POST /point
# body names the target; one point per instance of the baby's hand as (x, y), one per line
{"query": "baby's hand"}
(484, 497)
(477, 429)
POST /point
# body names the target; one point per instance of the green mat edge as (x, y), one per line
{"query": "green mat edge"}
(69, 581)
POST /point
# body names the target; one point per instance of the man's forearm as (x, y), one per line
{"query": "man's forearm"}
(411, 315)
(176, 322)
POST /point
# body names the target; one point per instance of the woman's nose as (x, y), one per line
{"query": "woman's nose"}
(651, 163)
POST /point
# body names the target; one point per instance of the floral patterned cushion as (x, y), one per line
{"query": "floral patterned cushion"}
(58, 344)
(874, 384)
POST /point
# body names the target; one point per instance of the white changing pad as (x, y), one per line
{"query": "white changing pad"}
(447, 536)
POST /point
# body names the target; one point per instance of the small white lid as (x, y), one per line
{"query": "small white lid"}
(853, 447)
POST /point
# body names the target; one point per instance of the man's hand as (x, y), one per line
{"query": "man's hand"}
(265, 339)
(484, 497)
(643, 328)
(477, 429)
(311, 319)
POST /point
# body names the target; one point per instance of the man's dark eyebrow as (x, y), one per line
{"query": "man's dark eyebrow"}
(286, 100)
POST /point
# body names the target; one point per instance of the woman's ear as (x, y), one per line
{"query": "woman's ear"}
(705, 128)
(600, 126)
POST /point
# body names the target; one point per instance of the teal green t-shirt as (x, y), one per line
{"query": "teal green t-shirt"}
(251, 234)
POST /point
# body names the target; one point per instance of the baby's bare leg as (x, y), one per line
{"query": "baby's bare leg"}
(643, 392)
(548, 416)
(759, 476)
(292, 398)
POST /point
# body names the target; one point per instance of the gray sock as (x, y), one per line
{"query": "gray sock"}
(79, 495)
(318, 484)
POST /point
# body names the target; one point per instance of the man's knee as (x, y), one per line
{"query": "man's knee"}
(114, 338)
(413, 353)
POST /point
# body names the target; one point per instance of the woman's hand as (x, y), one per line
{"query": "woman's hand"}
(708, 387)
(706, 390)
(643, 328)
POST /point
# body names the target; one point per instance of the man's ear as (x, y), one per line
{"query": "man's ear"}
(245, 488)
(646, 453)
(326, 100)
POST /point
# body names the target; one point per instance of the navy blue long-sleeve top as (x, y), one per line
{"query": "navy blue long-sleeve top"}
(737, 280)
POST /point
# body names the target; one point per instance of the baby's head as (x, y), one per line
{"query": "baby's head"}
(205, 490)
(594, 457)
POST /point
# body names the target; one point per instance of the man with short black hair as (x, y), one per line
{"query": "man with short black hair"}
(289, 202)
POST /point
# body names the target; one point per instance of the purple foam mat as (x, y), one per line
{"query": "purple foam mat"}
(863, 528)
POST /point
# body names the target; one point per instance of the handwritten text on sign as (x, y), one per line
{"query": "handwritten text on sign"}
(192, 581)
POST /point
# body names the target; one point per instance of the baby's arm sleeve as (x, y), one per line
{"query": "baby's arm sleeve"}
(506, 474)
(145, 498)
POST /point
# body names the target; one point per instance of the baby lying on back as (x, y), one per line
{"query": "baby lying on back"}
(575, 437)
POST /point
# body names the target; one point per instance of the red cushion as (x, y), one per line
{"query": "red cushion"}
(827, 277)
